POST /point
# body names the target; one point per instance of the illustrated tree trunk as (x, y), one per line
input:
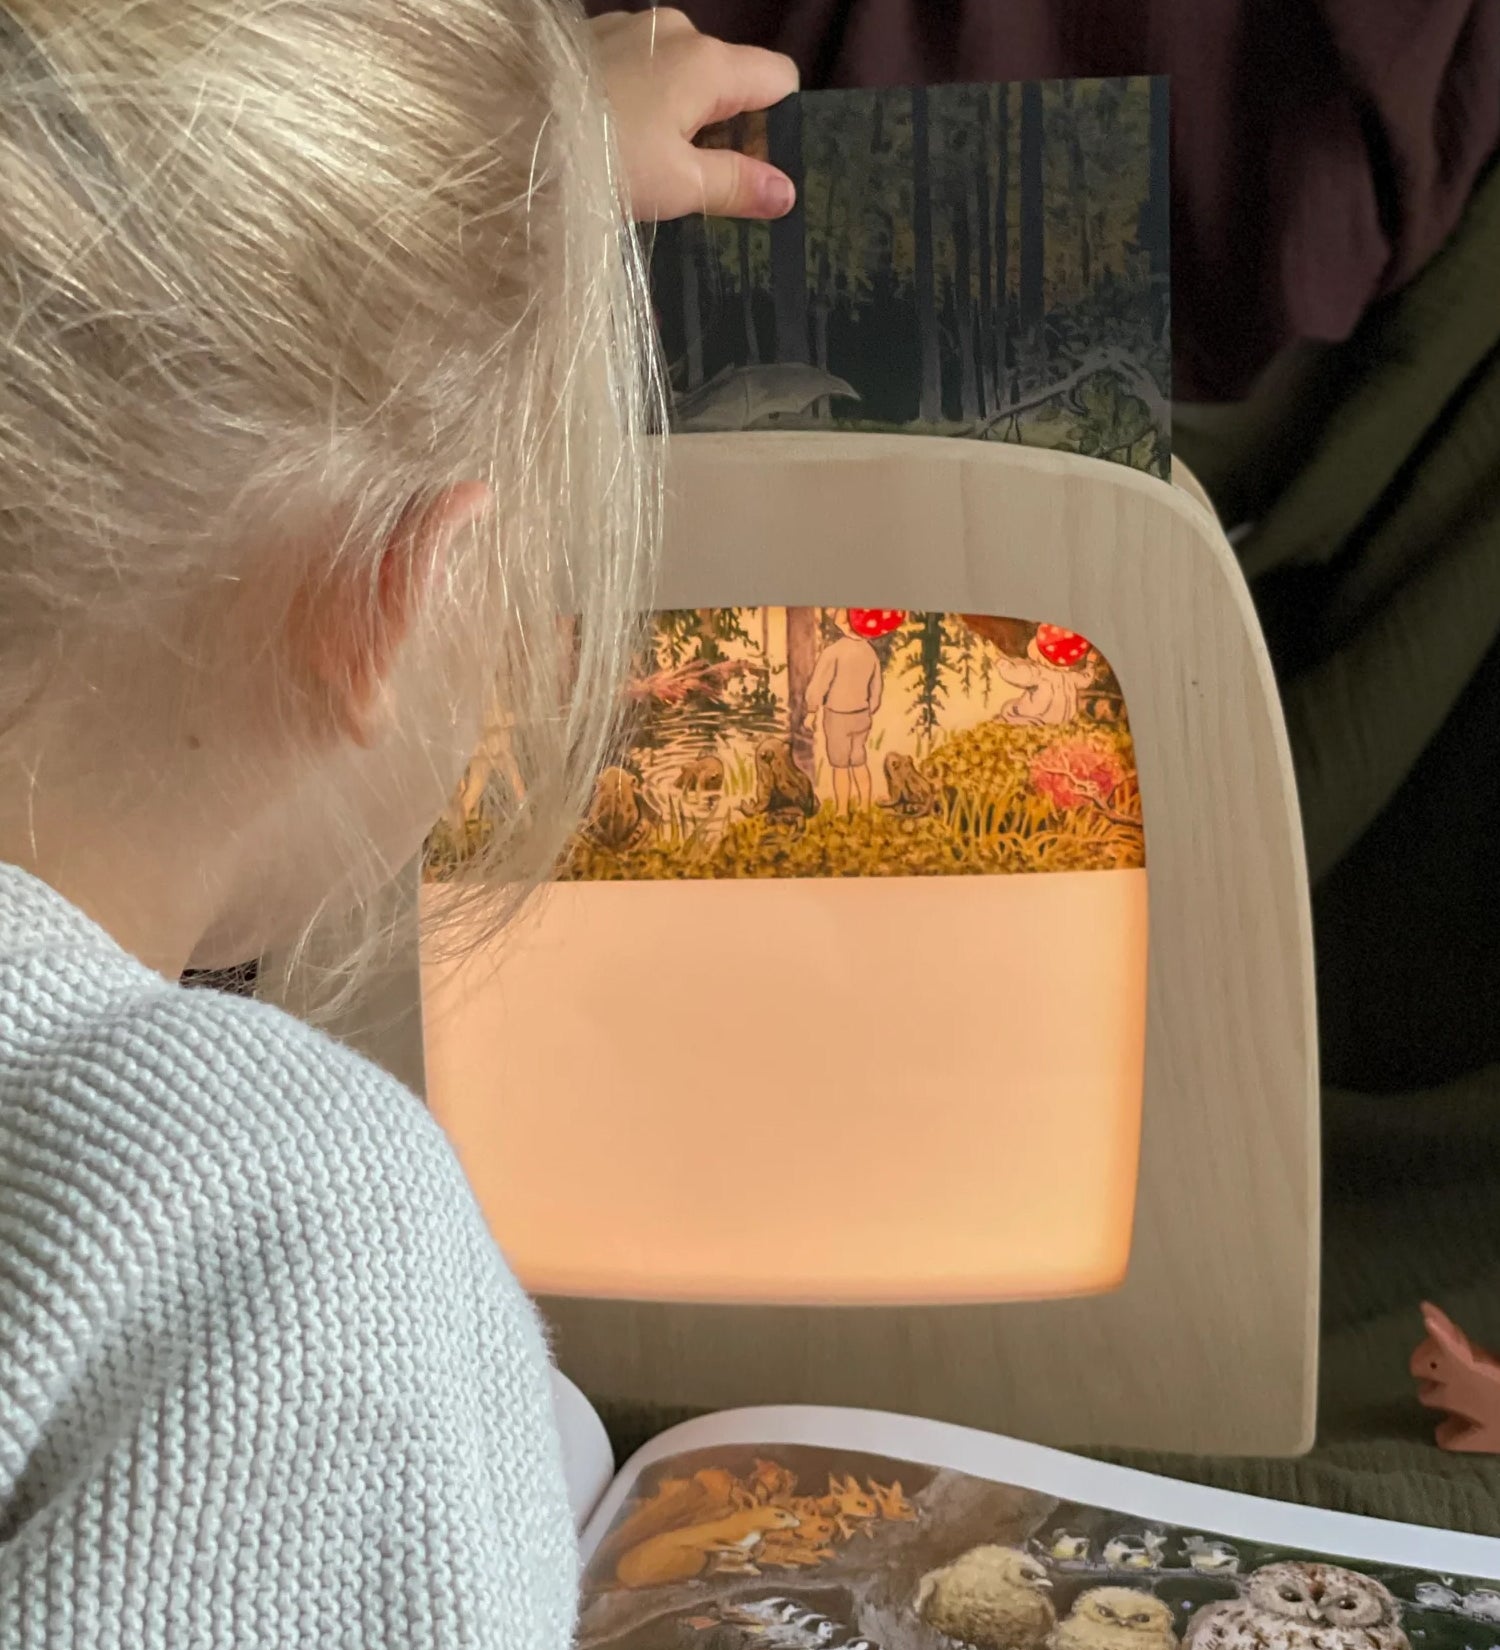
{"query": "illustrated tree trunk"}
(747, 296)
(820, 311)
(801, 657)
(747, 289)
(963, 301)
(1159, 198)
(1002, 250)
(789, 236)
(692, 308)
(823, 299)
(1033, 215)
(931, 404)
(1078, 184)
(983, 224)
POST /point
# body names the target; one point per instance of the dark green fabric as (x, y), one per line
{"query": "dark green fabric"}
(1375, 480)
(1374, 477)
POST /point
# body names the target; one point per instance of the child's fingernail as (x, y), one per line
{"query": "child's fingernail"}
(779, 195)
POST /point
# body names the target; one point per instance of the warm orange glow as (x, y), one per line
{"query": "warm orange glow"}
(825, 1091)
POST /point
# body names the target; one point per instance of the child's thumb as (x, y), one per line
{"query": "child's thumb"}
(735, 186)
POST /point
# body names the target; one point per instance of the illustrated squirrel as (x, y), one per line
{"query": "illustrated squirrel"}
(716, 1523)
(675, 1504)
(770, 1482)
(810, 1544)
(892, 1504)
(684, 1555)
(847, 1504)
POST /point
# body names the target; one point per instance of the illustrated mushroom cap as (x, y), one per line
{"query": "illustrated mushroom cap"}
(874, 622)
(1060, 647)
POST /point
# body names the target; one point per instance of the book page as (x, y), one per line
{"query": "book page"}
(808, 1529)
(588, 1460)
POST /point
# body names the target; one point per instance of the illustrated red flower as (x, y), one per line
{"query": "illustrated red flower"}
(1074, 773)
(873, 622)
(1060, 647)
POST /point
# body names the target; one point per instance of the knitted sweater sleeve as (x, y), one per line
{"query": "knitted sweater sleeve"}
(264, 1377)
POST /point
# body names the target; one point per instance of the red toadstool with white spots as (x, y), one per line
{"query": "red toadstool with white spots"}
(875, 622)
(1060, 647)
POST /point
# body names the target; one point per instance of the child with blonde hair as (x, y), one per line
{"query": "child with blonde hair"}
(325, 398)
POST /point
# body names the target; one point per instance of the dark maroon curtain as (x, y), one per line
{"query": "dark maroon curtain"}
(1323, 149)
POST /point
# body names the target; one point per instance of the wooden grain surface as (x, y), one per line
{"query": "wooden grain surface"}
(1211, 1343)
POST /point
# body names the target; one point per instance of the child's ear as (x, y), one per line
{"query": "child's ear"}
(353, 626)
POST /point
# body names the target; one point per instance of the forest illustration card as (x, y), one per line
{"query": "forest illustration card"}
(861, 742)
(980, 261)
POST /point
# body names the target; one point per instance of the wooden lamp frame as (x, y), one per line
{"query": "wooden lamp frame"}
(1211, 1344)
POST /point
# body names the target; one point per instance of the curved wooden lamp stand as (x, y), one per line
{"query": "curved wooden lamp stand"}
(1211, 1343)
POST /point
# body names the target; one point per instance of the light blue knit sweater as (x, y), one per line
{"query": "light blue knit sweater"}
(264, 1378)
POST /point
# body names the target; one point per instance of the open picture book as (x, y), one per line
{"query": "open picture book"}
(825, 1529)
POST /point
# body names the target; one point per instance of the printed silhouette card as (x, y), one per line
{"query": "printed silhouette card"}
(980, 261)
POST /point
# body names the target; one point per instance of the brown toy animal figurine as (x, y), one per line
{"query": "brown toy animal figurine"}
(1463, 1381)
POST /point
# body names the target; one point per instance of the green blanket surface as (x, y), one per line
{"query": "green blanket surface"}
(1373, 478)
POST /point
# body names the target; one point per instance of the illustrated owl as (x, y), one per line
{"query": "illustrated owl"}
(1116, 1618)
(990, 1598)
(1301, 1607)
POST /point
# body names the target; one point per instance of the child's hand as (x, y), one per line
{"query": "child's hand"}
(667, 82)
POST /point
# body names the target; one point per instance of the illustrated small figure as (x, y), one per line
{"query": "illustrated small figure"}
(1051, 677)
(1069, 1549)
(621, 815)
(685, 1554)
(782, 1624)
(1291, 1605)
(1209, 1557)
(704, 775)
(1461, 1380)
(846, 688)
(909, 791)
(1483, 1604)
(1437, 1595)
(1116, 1618)
(784, 795)
(990, 1598)
(1144, 1552)
(894, 1507)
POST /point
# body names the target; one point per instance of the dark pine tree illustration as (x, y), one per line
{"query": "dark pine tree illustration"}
(747, 288)
(1078, 187)
(963, 281)
(1033, 216)
(931, 404)
(1007, 391)
(929, 654)
(983, 226)
(1158, 215)
(789, 237)
(690, 236)
(801, 657)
